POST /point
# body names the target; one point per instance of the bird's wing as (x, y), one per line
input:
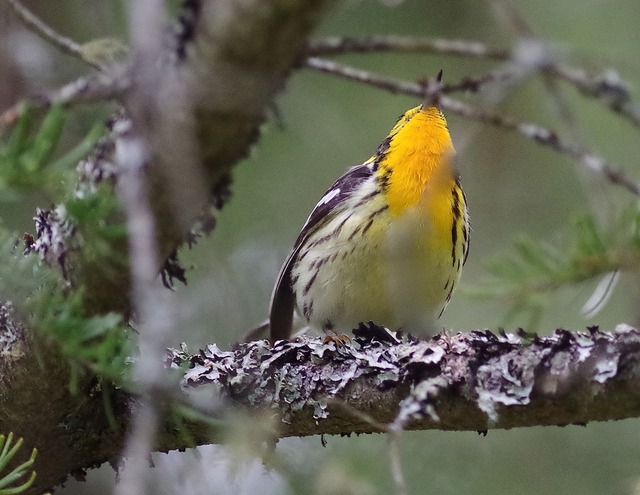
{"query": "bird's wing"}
(282, 297)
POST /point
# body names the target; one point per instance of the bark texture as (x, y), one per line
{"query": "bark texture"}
(469, 381)
(210, 96)
(231, 59)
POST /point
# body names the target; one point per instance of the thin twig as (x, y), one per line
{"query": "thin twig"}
(508, 16)
(101, 87)
(471, 84)
(150, 301)
(608, 88)
(531, 131)
(152, 313)
(366, 77)
(532, 53)
(546, 64)
(474, 83)
(393, 432)
(36, 25)
(542, 135)
(364, 417)
(367, 44)
(396, 463)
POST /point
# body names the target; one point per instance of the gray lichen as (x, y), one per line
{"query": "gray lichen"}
(11, 334)
(474, 380)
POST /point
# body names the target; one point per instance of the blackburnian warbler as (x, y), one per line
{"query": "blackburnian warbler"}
(386, 243)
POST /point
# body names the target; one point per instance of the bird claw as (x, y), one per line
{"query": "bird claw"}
(340, 340)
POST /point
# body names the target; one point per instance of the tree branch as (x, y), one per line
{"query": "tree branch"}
(537, 133)
(470, 381)
(199, 111)
(47, 33)
(231, 60)
(608, 87)
(406, 44)
(214, 88)
(89, 89)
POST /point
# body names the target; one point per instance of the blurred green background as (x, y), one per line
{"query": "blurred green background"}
(513, 186)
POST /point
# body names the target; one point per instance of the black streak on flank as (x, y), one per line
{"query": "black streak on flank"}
(367, 226)
(372, 218)
(353, 234)
(367, 197)
(307, 310)
(455, 209)
(381, 152)
(465, 237)
(339, 227)
(383, 149)
(330, 235)
(384, 179)
(454, 240)
(378, 211)
(307, 287)
(321, 262)
(465, 230)
(456, 202)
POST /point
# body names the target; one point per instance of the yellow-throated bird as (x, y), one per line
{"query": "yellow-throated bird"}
(385, 243)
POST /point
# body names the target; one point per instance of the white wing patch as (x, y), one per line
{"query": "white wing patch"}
(332, 193)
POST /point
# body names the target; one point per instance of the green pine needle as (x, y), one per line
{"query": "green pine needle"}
(526, 278)
(26, 162)
(7, 453)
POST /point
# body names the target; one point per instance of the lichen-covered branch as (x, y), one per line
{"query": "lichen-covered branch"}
(70, 430)
(197, 121)
(468, 381)
(198, 108)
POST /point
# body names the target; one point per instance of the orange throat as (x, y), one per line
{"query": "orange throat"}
(416, 161)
